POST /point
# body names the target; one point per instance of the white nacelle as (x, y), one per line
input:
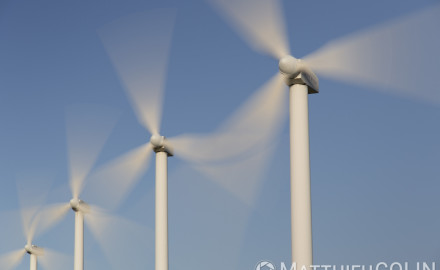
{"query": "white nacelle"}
(33, 249)
(160, 144)
(79, 205)
(297, 72)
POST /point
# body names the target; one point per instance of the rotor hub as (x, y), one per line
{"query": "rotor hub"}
(79, 205)
(296, 71)
(34, 250)
(161, 144)
(289, 66)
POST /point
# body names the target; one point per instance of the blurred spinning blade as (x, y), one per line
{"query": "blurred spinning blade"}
(243, 178)
(111, 183)
(12, 259)
(43, 219)
(29, 223)
(401, 57)
(251, 128)
(53, 260)
(260, 22)
(88, 127)
(122, 241)
(138, 46)
(236, 155)
(203, 213)
(240, 145)
(50, 215)
(32, 190)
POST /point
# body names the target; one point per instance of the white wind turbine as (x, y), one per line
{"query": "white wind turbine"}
(138, 46)
(12, 259)
(35, 220)
(391, 55)
(88, 127)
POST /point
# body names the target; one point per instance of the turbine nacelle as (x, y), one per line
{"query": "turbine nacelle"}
(296, 71)
(161, 144)
(34, 250)
(79, 205)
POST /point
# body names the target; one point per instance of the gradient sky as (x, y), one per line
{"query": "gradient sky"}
(374, 155)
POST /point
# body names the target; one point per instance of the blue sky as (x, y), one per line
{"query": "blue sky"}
(374, 154)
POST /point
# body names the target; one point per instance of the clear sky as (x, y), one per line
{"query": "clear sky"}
(374, 154)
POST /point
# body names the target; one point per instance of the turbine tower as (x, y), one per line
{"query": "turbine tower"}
(163, 150)
(80, 208)
(302, 82)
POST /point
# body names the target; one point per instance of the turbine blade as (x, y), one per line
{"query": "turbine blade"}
(236, 155)
(53, 260)
(112, 182)
(202, 213)
(260, 22)
(88, 127)
(32, 189)
(138, 46)
(12, 259)
(243, 178)
(254, 126)
(401, 57)
(134, 241)
(47, 217)
(28, 216)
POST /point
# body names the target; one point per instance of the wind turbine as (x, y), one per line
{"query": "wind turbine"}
(260, 21)
(12, 259)
(88, 127)
(390, 55)
(140, 76)
(35, 220)
(138, 47)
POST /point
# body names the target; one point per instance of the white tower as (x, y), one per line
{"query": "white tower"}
(163, 150)
(301, 81)
(80, 208)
